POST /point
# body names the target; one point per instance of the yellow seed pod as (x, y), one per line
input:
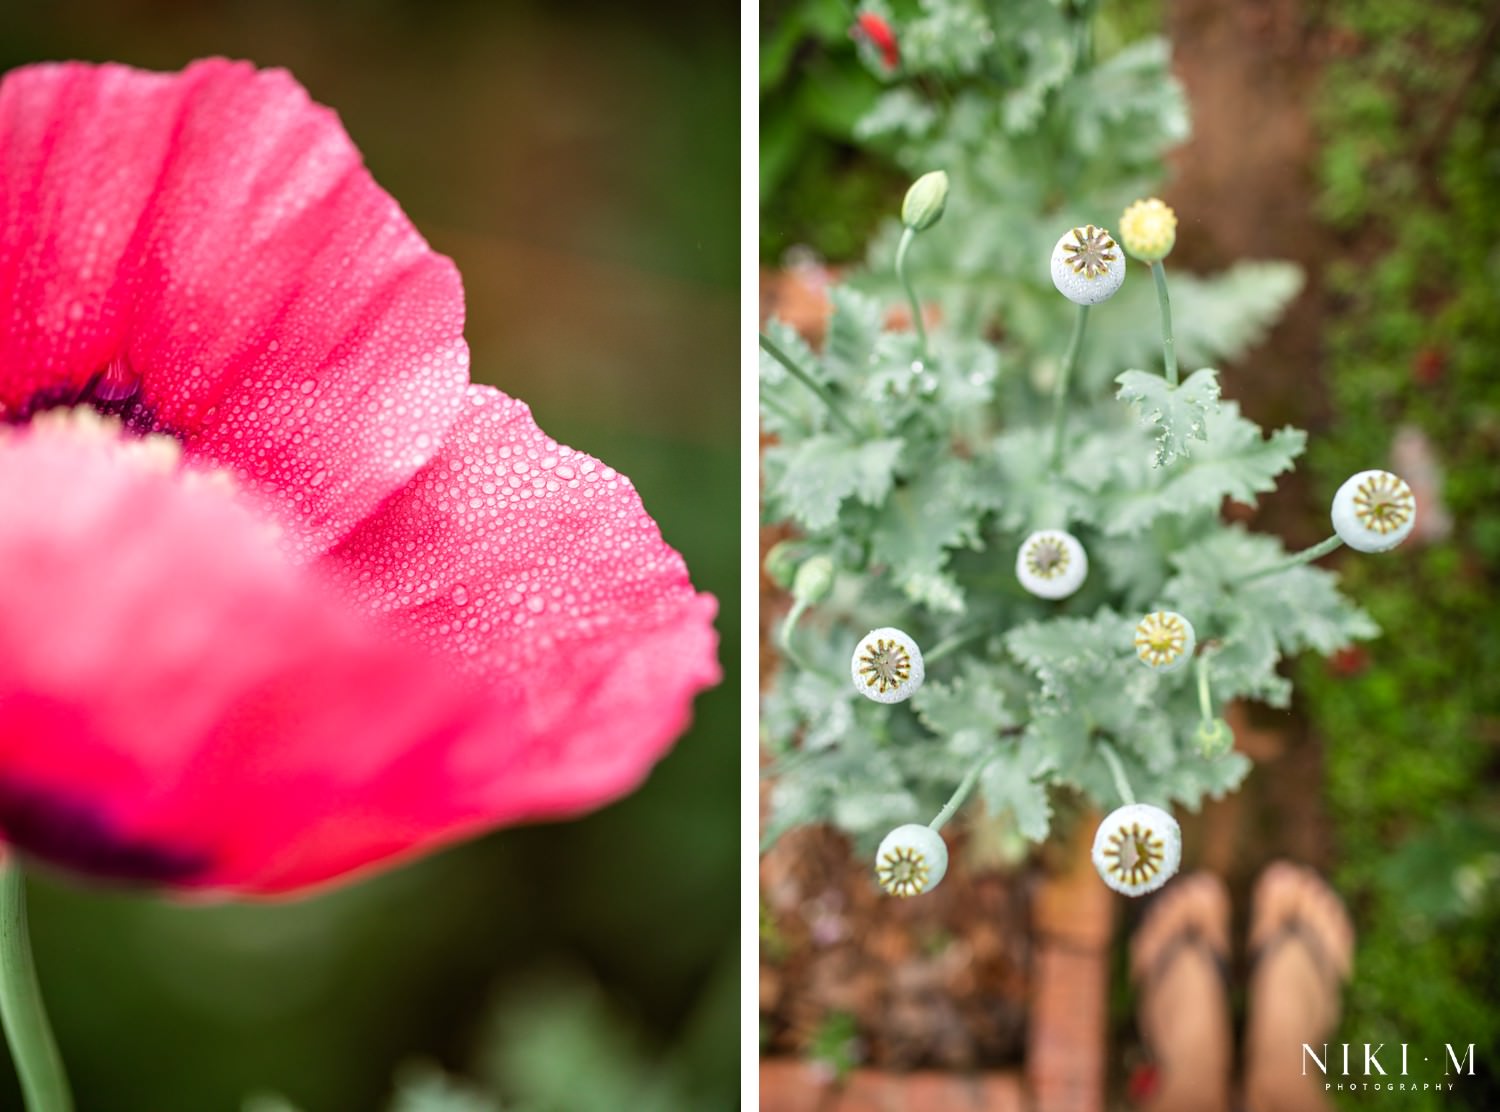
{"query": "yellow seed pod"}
(1148, 229)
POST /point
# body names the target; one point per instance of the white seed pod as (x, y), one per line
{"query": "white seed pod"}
(1374, 511)
(911, 860)
(1164, 640)
(1138, 848)
(1052, 564)
(1087, 265)
(887, 666)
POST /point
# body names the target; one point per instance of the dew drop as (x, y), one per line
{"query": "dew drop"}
(460, 594)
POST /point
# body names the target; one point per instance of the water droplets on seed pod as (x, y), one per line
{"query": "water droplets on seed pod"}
(887, 666)
(1088, 266)
(1137, 849)
(1051, 564)
(912, 859)
(1164, 640)
(1374, 511)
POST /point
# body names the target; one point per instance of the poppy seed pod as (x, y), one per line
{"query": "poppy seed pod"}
(1137, 849)
(887, 666)
(1087, 265)
(1164, 640)
(1052, 564)
(1374, 511)
(912, 859)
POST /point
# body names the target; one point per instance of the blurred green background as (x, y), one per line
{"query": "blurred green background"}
(581, 165)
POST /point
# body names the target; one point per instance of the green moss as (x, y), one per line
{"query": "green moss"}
(1409, 126)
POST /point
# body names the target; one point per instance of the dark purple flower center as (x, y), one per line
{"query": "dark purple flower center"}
(68, 832)
(114, 391)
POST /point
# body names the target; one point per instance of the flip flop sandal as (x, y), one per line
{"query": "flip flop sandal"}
(1297, 929)
(1144, 1077)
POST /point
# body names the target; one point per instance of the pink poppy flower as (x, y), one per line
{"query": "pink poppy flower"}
(306, 601)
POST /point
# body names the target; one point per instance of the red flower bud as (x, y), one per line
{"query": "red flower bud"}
(1348, 662)
(1429, 365)
(877, 32)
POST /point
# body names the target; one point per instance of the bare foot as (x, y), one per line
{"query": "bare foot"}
(1177, 960)
(1302, 946)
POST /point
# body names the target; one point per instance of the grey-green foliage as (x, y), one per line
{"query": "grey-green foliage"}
(924, 508)
(1037, 137)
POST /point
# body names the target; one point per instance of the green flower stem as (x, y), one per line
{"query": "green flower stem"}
(907, 235)
(774, 351)
(1205, 701)
(775, 405)
(799, 607)
(38, 1064)
(961, 793)
(1117, 770)
(946, 646)
(1168, 348)
(1065, 376)
(1306, 556)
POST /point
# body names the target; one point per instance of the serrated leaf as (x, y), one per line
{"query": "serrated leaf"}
(940, 509)
(810, 707)
(1234, 462)
(864, 812)
(1060, 738)
(1179, 413)
(937, 591)
(854, 326)
(808, 480)
(787, 407)
(1217, 318)
(1008, 784)
(1020, 459)
(969, 713)
(1062, 650)
(1222, 316)
(949, 39)
(1193, 778)
(1298, 608)
(428, 1089)
(900, 112)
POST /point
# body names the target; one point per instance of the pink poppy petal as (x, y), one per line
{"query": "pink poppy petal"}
(179, 704)
(215, 233)
(537, 570)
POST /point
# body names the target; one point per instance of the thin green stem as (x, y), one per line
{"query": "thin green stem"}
(1306, 556)
(907, 235)
(1117, 770)
(794, 615)
(38, 1064)
(774, 351)
(1064, 377)
(961, 793)
(778, 407)
(1168, 347)
(1205, 701)
(947, 645)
